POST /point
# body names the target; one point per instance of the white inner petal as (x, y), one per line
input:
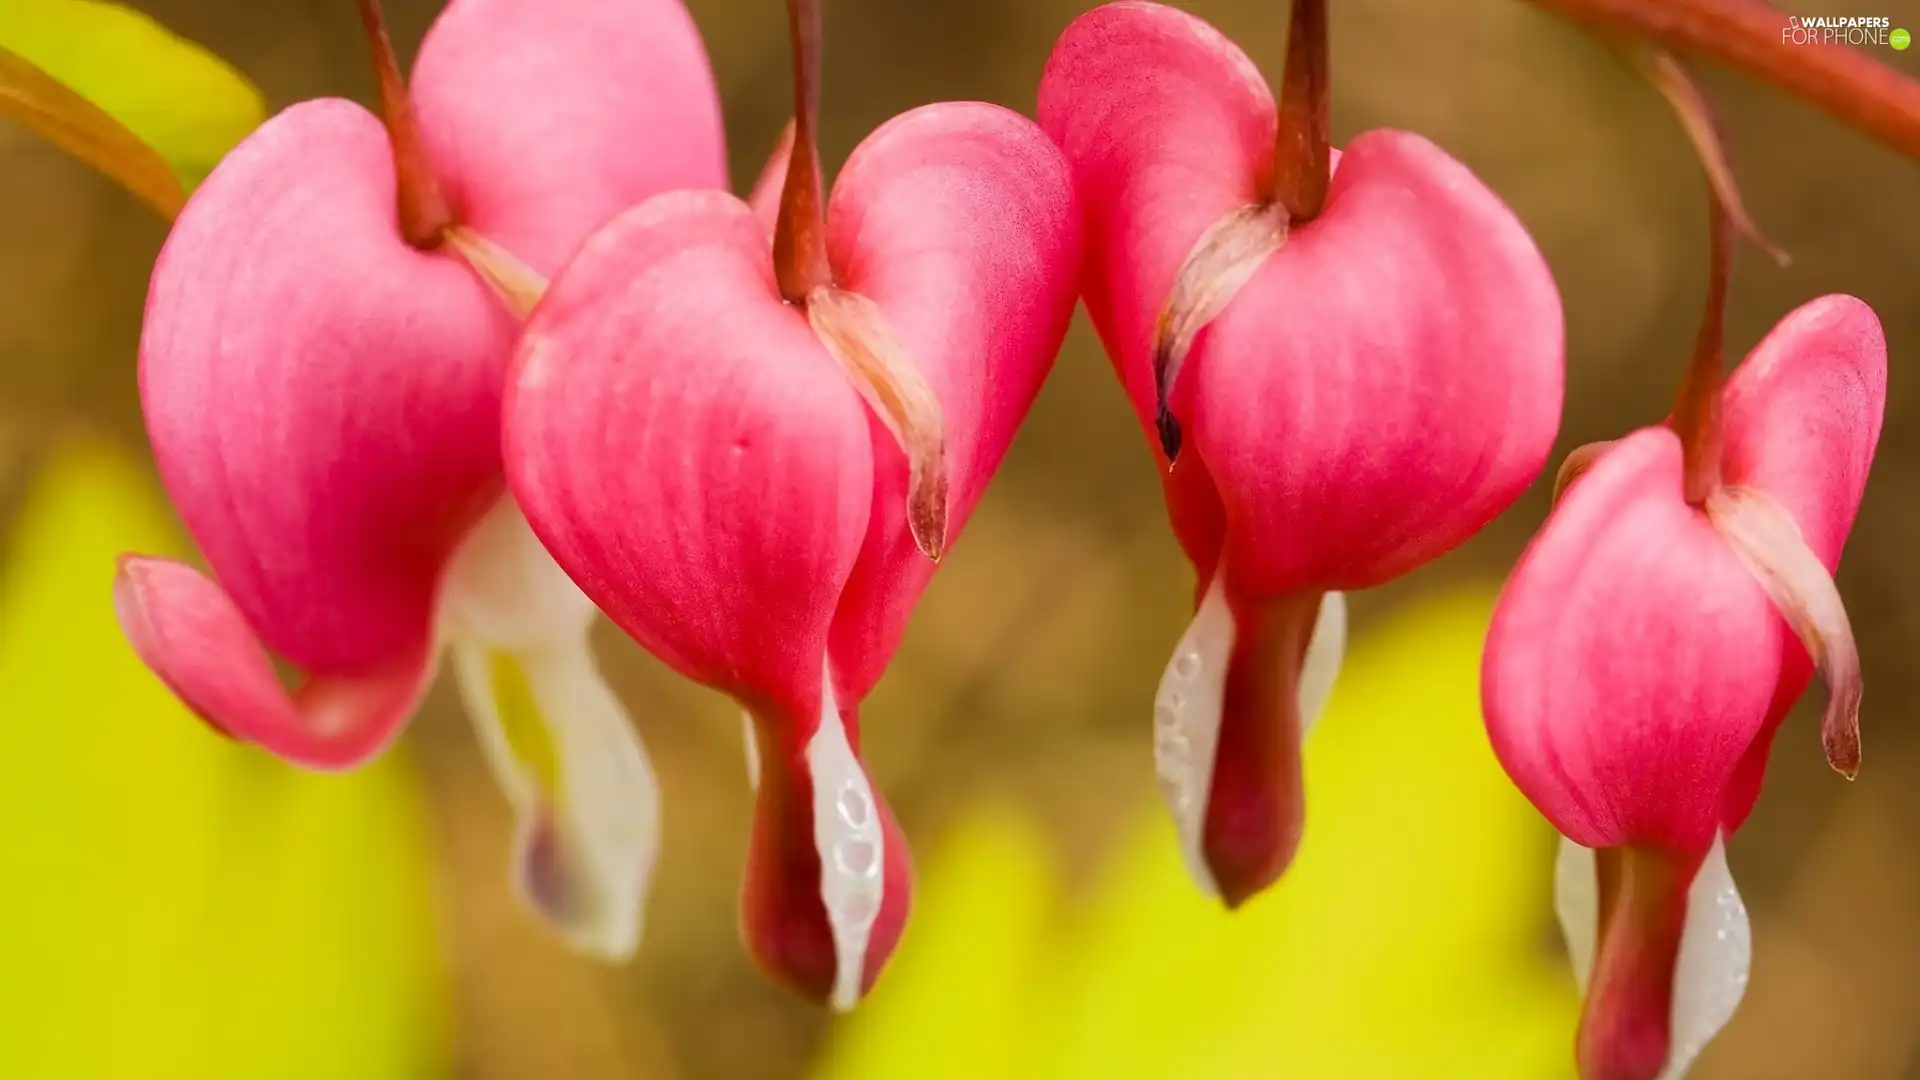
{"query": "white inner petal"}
(501, 587)
(1716, 949)
(1187, 709)
(1324, 655)
(752, 744)
(594, 841)
(847, 835)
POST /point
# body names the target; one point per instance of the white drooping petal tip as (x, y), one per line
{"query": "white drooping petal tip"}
(1716, 949)
(583, 791)
(1187, 710)
(851, 845)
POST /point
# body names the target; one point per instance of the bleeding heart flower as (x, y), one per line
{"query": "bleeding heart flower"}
(321, 370)
(750, 457)
(1651, 641)
(1361, 352)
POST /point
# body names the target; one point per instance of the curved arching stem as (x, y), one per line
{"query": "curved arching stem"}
(800, 233)
(1695, 113)
(424, 213)
(1696, 411)
(1755, 37)
(1302, 156)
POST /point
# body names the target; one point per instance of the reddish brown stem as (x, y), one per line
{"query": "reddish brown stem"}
(1695, 113)
(800, 234)
(1752, 36)
(1302, 154)
(424, 214)
(1696, 412)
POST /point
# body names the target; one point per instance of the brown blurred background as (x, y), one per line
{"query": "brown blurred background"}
(1031, 659)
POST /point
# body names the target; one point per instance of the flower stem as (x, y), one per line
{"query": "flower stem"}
(1752, 36)
(1696, 412)
(800, 234)
(1302, 157)
(424, 214)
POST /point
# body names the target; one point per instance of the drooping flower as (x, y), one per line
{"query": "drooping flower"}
(321, 370)
(1009, 974)
(1361, 354)
(1653, 638)
(749, 455)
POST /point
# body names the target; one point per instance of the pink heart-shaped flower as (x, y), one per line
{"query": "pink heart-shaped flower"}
(322, 367)
(689, 445)
(1357, 392)
(323, 398)
(1647, 648)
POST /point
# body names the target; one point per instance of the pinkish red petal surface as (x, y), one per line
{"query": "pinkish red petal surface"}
(1168, 127)
(1384, 385)
(959, 221)
(687, 450)
(323, 400)
(545, 119)
(186, 630)
(1632, 658)
(1387, 384)
(1803, 416)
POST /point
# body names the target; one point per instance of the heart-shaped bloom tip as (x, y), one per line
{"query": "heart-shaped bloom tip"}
(1347, 374)
(323, 397)
(750, 484)
(321, 369)
(1647, 646)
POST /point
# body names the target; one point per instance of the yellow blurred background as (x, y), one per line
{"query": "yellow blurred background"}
(175, 906)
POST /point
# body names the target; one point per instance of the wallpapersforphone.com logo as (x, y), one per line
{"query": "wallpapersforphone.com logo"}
(1844, 30)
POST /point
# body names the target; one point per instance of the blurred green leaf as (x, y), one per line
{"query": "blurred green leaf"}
(955, 1005)
(1404, 944)
(175, 905)
(148, 88)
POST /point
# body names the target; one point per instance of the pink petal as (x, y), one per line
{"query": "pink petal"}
(1803, 416)
(186, 630)
(1386, 384)
(960, 223)
(687, 450)
(1168, 126)
(322, 399)
(1383, 386)
(545, 119)
(1632, 658)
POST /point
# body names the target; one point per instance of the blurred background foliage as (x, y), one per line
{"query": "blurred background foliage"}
(175, 906)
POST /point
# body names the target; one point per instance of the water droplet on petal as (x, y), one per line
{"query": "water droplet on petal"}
(1188, 665)
(1172, 747)
(857, 910)
(855, 810)
(856, 857)
(1165, 718)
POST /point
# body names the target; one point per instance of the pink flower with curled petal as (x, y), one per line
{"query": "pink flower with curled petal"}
(750, 456)
(1349, 363)
(1650, 643)
(321, 370)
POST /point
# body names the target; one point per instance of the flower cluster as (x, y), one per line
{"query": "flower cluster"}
(453, 378)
